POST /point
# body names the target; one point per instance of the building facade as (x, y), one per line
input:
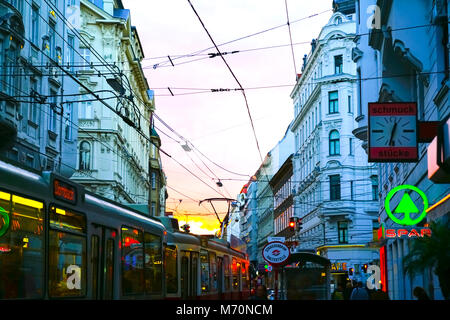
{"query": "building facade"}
(405, 49)
(112, 157)
(335, 190)
(38, 101)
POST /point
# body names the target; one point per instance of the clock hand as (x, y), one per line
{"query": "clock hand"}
(391, 142)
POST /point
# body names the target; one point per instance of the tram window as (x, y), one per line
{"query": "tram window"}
(94, 261)
(213, 271)
(170, 254)
(244, 277)
(227, 273)
(109, 276)
(21, 247)
(132, 261)
(153, 263)
(194, 270)
(204, 272)
(67, 254)
(236, 266)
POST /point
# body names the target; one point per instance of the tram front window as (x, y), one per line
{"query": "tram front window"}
(67, 254)
(21, 247)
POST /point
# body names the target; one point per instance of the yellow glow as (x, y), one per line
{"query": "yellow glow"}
(60, 211)
(27, 202)
(25, 239)
(5, 196)
(199, 225)
(323, 274)
(25, 216)
(438, 203)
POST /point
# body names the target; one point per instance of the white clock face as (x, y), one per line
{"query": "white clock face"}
(393, 131)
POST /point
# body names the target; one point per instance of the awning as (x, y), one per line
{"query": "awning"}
(307, 256)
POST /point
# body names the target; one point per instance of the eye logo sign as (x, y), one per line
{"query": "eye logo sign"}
(276, 252)
(5, 217)
(406, 206)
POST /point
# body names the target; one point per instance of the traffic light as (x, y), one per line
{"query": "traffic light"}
(350, 271)
(292, 223)
(267, 268)
(299, 224)
(186, 228)
(364, 268)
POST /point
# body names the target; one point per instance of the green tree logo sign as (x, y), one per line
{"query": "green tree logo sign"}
(406, 207)
(4, 221)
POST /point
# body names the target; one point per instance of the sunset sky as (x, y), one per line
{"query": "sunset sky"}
(217, 123)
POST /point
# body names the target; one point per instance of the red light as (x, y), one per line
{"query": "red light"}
(292, 224)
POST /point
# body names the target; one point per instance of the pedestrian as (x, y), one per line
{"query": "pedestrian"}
(260, 293)
(359, 293)
(420, 293)
(348, 290)
(338, 294)
(380, 294)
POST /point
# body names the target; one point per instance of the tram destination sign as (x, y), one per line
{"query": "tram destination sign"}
(276, 253)
(393, 133)
(65, 192)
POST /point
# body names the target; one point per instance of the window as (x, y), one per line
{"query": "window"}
(68, 122)
(52, 40)
(132, 261)
(85, 58)
(71, 55)
(153, 263)
(153, 208)
(52, 111)
(67, 253)
(333, 102)
(204, 271)
(343, 232)
(374, 187)
(244, 277)
(85, 111)
(335, 187)
(35, 25)
(352, 190)
(153, 180)
(334, 147)
(21, 247)
(170, 263)
(350, 144)
(338, 64)
(85, 156)
(350, 110)
(338, 20)
(95, 252)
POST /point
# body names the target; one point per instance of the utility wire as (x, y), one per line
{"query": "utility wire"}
(290, 38)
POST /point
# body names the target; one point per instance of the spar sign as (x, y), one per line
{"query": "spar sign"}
(276, 253)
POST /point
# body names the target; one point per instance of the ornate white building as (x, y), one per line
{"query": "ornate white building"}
(335, 189)
(113, 159)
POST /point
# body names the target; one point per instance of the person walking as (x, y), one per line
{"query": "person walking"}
(260, 293)
(359, 293)
(338, 294)
(348, 290)
(420, 293)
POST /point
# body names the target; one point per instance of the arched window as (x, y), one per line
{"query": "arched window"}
(338, 20)
(85, 156)
(334, 143)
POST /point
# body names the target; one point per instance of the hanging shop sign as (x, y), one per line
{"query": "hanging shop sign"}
(406, 214)
(393, 135)
(276, 253)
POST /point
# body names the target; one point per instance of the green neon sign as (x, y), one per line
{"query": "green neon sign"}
(406, 206)
(5, 217)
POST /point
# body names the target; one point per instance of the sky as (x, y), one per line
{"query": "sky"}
(217, 124)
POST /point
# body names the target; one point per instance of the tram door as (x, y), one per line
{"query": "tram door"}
(220, 276)
(184, 277)
(103, 245)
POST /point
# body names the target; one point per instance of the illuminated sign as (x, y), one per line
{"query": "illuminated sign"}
(411, 214)
(338, 266)
(393, 134)
(5, 221)
(64, 191)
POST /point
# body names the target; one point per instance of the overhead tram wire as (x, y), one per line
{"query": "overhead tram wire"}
(245, 37)
(234, 76)
(290, 38)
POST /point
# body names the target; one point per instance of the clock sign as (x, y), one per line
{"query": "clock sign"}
(393, 132)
